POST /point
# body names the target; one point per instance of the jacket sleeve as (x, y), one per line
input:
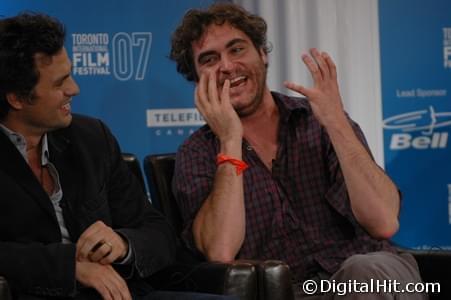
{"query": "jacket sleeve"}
(35, 268)
(151, 238)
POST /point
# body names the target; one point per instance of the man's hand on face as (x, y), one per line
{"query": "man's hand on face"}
(100, 243)
(324, 96)
(216, 109)
(103, 278)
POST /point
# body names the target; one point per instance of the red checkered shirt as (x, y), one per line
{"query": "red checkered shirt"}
(299, 212)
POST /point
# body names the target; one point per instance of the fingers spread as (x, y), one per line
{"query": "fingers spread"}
(322, 65)
(313, 68)
(296, 87)
(331, 65)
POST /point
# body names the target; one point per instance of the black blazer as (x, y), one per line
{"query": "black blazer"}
(97, 185)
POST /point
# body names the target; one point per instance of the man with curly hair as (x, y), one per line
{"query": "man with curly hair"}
(74, 221)
(277, 177)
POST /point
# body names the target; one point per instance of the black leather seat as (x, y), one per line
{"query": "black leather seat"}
(4, 289)
(435, 267)
(274, 279)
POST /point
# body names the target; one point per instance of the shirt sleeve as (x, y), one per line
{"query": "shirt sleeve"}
(194, 173)
(337, 193)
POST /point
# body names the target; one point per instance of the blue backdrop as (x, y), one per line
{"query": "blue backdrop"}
(120, 60)
(119, 51)
(415, 40)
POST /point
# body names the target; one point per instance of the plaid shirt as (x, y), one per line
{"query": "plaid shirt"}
(299, 212)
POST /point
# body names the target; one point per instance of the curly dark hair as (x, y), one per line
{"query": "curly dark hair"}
(21, 38)
(196, 21)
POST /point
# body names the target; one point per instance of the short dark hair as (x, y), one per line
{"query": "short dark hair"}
(196, 21)
(21, 38)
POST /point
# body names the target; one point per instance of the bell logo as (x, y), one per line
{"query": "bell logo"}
(426, 122)
(401, 141)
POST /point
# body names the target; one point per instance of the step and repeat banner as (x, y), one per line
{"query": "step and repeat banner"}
(119, 50)
(415, 41)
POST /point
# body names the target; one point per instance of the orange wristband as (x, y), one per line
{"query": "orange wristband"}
(240, 165)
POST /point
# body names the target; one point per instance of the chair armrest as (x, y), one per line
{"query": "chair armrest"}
(5, 293)
(247, 279)
(435, 266)
(237, 278)
(275, 280)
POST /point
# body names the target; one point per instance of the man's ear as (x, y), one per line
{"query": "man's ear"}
(264, 56)
(15, 101)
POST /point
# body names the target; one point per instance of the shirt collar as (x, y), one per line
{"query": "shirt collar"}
(289, 107)
(21, 144)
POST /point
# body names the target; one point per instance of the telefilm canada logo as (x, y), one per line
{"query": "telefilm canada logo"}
(447, 47)
(122, 55)
(420, 130)
(174, 121)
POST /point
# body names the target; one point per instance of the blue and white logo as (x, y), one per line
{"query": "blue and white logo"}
(425, 122)
(128, 58)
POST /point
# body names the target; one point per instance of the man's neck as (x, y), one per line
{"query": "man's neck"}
(261, 130)
(267, 115)
(32, 136)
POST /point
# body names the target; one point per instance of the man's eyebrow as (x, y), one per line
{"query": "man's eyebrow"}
(235, 41)
(204, 54)
(231, 43)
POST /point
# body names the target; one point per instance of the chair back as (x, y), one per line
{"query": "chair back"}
(132, 162)
(159, 170)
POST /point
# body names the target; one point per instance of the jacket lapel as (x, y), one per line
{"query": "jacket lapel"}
(14, 165)
(64, 158)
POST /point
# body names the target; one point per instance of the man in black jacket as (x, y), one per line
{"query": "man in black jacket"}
(74, 222)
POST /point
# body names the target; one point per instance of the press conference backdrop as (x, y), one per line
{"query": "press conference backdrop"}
(119, 51)
(120, 59)
(415, 41)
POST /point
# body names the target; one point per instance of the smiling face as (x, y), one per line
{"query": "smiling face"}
(230, 53)
(50, 107)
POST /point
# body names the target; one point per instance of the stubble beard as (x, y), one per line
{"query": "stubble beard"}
(258, 98)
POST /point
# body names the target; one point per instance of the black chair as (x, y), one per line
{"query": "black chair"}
(273, 277)
(5, 294)
(435, 267)
(132, 161)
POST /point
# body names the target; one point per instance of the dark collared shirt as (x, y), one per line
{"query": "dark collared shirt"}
(299, 212)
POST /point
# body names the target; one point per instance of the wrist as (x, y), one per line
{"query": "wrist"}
(239, 165)
(232, 147)
(337, 124)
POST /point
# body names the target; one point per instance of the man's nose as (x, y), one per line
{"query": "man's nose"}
(226, 64)
(73, 88)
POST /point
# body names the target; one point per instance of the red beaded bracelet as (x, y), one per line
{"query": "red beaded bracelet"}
(239, 164)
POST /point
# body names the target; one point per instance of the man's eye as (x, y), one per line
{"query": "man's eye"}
(237, 49)
(208, 60)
